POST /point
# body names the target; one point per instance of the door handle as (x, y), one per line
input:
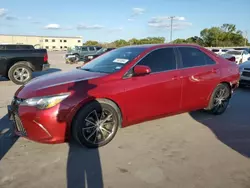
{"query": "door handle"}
(215, 70)
(175, 78)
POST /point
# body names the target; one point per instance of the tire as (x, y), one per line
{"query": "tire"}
(219, 100)
(242, 85)
(96, 134)
(25, 73)
(77, 57)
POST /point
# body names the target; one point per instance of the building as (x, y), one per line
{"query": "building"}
(48, 42)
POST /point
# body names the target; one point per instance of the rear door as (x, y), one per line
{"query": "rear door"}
(200, 74)
(84, 51)
(157, 93)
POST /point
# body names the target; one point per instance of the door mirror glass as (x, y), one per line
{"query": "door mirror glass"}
(141, 70)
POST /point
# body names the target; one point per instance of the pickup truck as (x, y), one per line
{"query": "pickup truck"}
(18, 64)
(79, 52)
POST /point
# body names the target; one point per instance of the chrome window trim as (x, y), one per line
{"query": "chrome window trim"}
(176, 60)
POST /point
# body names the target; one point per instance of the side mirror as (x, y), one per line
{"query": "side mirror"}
(141, 70)
(248, 59)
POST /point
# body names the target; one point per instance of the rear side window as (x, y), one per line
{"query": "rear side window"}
(11, 47)
(160, 60)
(192, 57)
(91, 48)
(215, 50)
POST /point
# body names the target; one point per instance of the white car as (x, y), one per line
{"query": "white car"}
(240, 55)
(245, 73)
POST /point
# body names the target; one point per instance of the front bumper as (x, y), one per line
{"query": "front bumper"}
(45, 67)
(245, 78)
(44, 126)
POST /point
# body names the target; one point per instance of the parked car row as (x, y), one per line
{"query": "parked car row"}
(85, 53)
(239, 55)
(17, 62)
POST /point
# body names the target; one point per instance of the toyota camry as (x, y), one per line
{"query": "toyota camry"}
(126, 86)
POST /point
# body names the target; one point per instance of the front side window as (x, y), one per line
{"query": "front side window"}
(91, 48)
(114, 60)
(192, 57)
(160, 60)
(245, 52)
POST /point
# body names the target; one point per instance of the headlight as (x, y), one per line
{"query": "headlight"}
(45, 102)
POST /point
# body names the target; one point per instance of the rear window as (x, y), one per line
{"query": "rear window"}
(2, 47)
(19, 47)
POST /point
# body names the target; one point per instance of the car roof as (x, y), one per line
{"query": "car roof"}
(153, 46)
(237, 50)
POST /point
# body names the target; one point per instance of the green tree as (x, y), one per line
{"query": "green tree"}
(226, 35)
(91, 43)
(120, 43)
(179, 41)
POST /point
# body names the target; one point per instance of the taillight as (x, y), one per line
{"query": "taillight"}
(232, 59)
(45, 58)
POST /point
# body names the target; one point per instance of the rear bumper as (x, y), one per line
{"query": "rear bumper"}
(45, 67)
(244, 80)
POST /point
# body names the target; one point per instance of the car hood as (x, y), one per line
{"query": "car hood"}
(55, 83)
(246, 64)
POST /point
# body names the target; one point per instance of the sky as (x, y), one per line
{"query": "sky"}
(109, 20)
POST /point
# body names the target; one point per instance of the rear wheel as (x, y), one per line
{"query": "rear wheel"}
(219, 100)
(20, 73)
(96, 124)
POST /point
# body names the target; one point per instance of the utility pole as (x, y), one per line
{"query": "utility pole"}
(171, 27)
(246, 39)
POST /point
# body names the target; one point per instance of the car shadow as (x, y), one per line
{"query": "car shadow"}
(233, 127)
(83, 164)
(83, 167)
(7, 137)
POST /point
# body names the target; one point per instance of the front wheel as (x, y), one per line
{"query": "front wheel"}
(219, 100)
(96, 124)
(77, 57)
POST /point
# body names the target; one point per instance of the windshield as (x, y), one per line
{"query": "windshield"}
(234, 52)
(102, 50)
(114, 60)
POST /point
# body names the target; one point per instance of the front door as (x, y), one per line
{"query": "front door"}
(155, 94)
(200, 74)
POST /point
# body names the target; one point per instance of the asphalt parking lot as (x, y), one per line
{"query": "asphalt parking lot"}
(190, 150)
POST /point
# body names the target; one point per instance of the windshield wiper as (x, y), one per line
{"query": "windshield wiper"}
(86, 69)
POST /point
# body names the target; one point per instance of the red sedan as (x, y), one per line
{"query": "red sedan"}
(125, 86)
